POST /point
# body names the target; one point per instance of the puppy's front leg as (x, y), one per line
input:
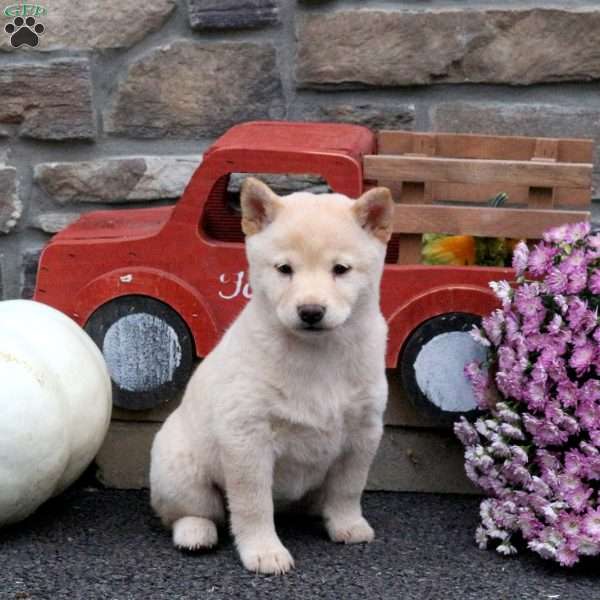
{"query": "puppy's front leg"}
(344, 485)
(249, 482)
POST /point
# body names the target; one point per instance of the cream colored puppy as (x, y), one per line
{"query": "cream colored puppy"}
(289, 404)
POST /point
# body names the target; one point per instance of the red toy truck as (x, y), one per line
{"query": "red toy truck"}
(156, 287)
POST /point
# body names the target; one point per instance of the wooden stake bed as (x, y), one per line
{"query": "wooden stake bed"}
(550, 179)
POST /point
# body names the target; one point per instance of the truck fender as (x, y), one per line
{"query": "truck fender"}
(157, 284)
(437, 301)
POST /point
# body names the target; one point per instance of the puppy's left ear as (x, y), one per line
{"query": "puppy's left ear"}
(374, 211)
(259, 204)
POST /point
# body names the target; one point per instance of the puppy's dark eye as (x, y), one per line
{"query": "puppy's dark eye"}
(340, 269)
(284, 269)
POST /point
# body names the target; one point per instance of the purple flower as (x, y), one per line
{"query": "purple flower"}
(510, 384)
(557, 281)
(569, 525)
(569, 233)
(539, 373)
(593, 241)
(575, 463)
(594, 282)
(555, 324)
(578, 231)
(465, 432)
(529, 524)
(561, 302)
(577, 498)
(590, 390)
(557, 235)
(478, 335)
(591, 524)
(511, 431)
(535, 395)
(566, 556)
(576, 261)
(587, 412)
(520, 258)
(537, 450)
(594, 436)
(493, 326)
(581, 359)
(577, 281)
(576, 313)
(547, 461)
(588, 449)
(507, 414)
(502, 290)
(519, 455)
(567, 393)
(592, 467)
(540, 487)
(512, 324)
(480, 382)
(544, 432)
(516, 474)
(541, 258)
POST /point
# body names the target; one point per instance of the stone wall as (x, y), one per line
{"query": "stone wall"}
(117, 102)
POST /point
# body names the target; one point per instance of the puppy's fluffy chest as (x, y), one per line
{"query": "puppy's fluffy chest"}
(311, 415)
(312, 424)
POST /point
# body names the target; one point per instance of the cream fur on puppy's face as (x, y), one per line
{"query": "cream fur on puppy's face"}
(315, 259)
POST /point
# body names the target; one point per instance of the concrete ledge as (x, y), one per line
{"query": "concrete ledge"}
(408, 460)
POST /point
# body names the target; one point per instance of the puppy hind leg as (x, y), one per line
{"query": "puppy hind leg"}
(181, 494)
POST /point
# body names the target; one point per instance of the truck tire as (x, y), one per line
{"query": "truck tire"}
(432, 366)
(148, 349)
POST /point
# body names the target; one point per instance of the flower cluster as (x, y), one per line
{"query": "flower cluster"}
(536, 449)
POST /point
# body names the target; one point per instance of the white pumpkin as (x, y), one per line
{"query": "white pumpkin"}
(55, 405)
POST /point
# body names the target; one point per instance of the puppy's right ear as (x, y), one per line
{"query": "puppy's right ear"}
(259, 205)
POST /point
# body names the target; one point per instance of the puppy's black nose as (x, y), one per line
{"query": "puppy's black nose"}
(311, 313)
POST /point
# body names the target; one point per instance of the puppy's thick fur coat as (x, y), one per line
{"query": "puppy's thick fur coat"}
(289, 405)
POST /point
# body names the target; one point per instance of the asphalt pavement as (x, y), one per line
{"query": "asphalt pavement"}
(106, 544)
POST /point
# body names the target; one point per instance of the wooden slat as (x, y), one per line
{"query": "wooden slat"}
(457, 170)
(478, 221)
(546, 149)
(467, 145)
(480, 193)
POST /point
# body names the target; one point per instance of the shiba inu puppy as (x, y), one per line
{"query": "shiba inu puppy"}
(288, 407)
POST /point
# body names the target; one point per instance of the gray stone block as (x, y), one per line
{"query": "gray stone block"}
(539, 119)
(232, 14)
(51, 101)
(96, 25)
(53, 222)
(516, 45)
(374, 116)
(204, 89)
(10, 205)
(128, 179)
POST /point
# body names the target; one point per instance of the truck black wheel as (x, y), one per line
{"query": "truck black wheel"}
(432, 366)
(148, 349)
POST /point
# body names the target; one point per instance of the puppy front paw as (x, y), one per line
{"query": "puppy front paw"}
(269, 558)
(350, 531)
(194, 533)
